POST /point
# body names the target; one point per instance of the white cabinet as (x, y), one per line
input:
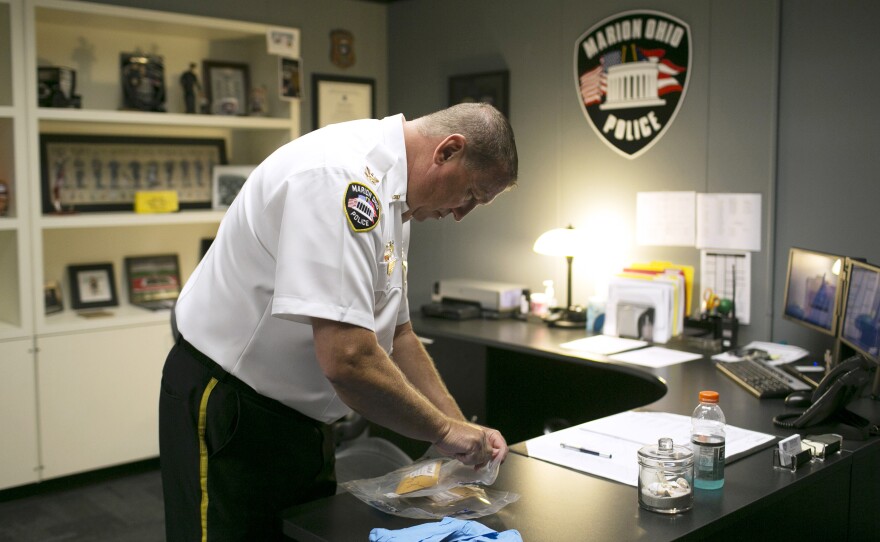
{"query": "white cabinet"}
(18, 421)
(97, 378)
(99, 397)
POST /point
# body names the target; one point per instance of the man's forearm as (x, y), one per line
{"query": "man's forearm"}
(415, 362)
(369, 382)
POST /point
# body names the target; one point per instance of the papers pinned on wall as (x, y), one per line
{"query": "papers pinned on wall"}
(687, 219)
(729, 221)
(665, 218)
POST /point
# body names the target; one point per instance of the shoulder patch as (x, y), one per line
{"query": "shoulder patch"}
(361, 207)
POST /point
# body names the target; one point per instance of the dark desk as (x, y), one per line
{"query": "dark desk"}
(838, 499)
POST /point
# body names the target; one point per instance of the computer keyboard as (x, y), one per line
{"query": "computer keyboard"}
(761, 380)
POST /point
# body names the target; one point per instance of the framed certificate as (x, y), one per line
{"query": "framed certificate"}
(340, 99)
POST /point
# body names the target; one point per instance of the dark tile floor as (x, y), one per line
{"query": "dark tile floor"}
(121, 505)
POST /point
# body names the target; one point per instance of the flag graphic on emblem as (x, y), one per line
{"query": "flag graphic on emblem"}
(363, 206)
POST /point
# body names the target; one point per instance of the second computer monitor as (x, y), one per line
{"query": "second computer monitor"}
(812, 289)
(860, 320)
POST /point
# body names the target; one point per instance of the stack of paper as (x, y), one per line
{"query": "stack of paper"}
(657, 294)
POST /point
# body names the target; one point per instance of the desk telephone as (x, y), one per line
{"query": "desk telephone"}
(840, 386)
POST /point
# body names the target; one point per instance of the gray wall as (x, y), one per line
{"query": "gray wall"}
(828, 186)
(814, 165)
(723, 139)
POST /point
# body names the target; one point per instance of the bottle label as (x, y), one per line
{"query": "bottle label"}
(708, 457)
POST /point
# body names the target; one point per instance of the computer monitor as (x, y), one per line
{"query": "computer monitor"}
(860, 320)
(812, 289)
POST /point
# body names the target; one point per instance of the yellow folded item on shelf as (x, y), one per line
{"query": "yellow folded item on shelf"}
(162, 201)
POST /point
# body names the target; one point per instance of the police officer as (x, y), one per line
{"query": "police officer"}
(298, 314)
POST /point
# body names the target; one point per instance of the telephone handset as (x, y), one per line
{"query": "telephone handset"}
(835, 391)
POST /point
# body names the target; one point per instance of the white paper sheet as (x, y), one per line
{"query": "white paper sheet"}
(780, 353)
(655, 356)
(603, 344)
(730, 221)
(622, 435)
(666, 218)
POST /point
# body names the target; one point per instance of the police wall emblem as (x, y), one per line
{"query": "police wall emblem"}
(342, 48)
(361, 207)
(631, 75)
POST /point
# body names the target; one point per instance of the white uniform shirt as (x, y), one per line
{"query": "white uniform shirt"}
(316, 231)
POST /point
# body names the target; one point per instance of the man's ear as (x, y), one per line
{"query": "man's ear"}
(451, 146)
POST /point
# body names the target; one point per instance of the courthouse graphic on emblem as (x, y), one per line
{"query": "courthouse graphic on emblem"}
(631, 74)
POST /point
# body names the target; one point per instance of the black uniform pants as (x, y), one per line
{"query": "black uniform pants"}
(232, 459)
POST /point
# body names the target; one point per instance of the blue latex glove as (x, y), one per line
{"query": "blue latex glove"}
(446, 530)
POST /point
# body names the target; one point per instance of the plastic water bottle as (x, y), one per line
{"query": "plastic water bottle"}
(707, 438)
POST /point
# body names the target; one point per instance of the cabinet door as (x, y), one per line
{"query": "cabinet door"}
(18, 422)
(99, 397)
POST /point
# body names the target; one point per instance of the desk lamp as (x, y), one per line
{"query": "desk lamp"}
(563, 242)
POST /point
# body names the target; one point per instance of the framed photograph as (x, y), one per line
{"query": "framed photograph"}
(227, 87)
(283, 42)
(290, 77)
(92, 286)
(340, 99)
(204, 244)
(227, 183)
(86, 173)
(52, 297)
(490, 87)
(153, 281)
(4, 198)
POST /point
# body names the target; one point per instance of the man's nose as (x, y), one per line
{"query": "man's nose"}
(461, 212)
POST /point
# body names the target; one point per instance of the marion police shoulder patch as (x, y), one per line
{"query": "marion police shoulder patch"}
(361, 207)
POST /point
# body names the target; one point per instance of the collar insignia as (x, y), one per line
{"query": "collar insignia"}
(369, 175)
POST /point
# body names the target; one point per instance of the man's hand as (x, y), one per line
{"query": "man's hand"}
(472, 444)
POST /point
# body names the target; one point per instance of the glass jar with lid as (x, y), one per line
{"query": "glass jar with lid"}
(666, 477)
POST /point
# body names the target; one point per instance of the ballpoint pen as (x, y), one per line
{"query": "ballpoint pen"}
(584, 450)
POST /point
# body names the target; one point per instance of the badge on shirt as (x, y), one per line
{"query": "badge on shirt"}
(369, 175)
(389, 257)
(361, 206)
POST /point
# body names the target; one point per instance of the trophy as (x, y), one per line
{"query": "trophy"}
(143, 81)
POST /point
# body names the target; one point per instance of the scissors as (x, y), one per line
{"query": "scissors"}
(710, 300)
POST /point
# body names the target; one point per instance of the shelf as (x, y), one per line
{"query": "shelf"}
(164, 119)
(70, 321)
(9, 224)
(9, 331)
(103, 220)
(125, 19)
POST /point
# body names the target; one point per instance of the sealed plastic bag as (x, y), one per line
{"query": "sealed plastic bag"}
(433, 489)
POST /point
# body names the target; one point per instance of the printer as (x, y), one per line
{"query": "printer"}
(492, 299)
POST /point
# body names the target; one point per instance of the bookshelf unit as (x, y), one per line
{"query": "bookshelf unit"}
(85, 377)
(18, 399)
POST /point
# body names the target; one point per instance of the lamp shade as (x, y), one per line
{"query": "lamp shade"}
(566, 242)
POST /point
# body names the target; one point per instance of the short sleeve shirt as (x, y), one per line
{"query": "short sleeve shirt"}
(316, 231)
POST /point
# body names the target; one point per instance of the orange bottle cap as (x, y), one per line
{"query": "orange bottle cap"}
(708, 396)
